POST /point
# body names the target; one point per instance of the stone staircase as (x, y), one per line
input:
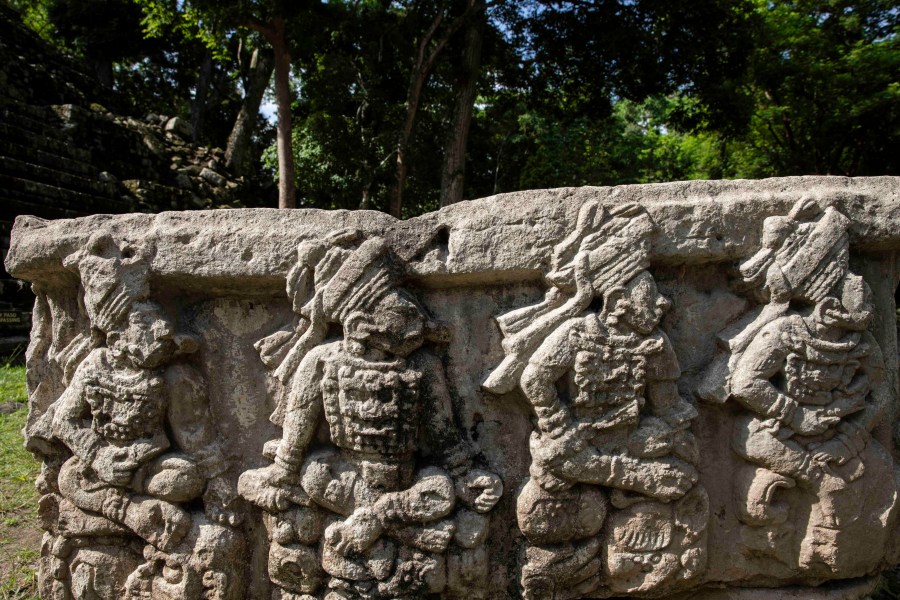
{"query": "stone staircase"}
(68, 148)
(43, 170)
(45, 173)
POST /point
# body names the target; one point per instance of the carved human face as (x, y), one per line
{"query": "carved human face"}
(395, 326)
(148, 337)
(640, 307)
(856, 299)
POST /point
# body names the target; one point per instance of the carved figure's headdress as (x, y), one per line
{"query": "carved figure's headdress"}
(114, 275)
(616, 248)
(365, 277)
(331, 279)
(803, 254)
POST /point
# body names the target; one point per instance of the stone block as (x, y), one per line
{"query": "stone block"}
(674, 391)
(212, 177)
(179, 127)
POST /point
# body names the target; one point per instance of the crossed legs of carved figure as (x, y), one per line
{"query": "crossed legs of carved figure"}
(159, 522)
(666, 478)
(834, 500)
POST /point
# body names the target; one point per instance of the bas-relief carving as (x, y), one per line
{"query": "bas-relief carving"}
(393, 505)
(612, 505)
(817, 492)
(131, 451)
(372, 488)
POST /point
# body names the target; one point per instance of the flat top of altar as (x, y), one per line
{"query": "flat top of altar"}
(508, 237)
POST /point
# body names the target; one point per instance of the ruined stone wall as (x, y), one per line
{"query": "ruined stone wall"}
(67, 149)
(683, 390)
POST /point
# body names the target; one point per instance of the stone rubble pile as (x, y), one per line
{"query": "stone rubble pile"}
(67, 150)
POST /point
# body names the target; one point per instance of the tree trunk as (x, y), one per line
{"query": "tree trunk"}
(453, 177)
(198, 106)
(237, 154)
(287, 194)
(421, 70)
(413, 97)
(104, 70)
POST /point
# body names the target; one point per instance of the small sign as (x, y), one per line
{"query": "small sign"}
(13, 317)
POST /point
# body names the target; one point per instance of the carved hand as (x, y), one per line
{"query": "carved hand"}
(429, 499)
(561, 447)
(847, 402)
(665, 478)
(431, 537)
(812, 421)
(142, 452)
(480, 490)
(113, 465)
(832, 452)
(354, 535)
(551, 454)
(268, 487)
(843, 447)
(547, 480)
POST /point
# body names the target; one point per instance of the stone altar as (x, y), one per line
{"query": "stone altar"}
(684, 390)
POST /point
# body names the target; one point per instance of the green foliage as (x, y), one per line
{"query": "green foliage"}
(12, 384)
(583, 57)
(634, 144)
(571, 93)
(17, 467)
(824, 82)
(114, 36)
(550, 113)
(820, 94)
(162, 19)
(35, 14)
(353, 73)
(19, 539)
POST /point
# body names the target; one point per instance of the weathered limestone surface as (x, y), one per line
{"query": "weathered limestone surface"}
(684, 390)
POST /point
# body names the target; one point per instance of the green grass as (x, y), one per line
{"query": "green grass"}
(19, 533)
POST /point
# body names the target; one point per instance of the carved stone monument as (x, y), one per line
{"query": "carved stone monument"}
(677, 391)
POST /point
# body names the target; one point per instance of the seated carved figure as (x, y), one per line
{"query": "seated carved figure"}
(613, 369)
(397, 529)
(127, 479)
(612, 455)
(810, 378)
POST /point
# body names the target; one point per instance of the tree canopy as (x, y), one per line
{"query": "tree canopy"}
(406, 105)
